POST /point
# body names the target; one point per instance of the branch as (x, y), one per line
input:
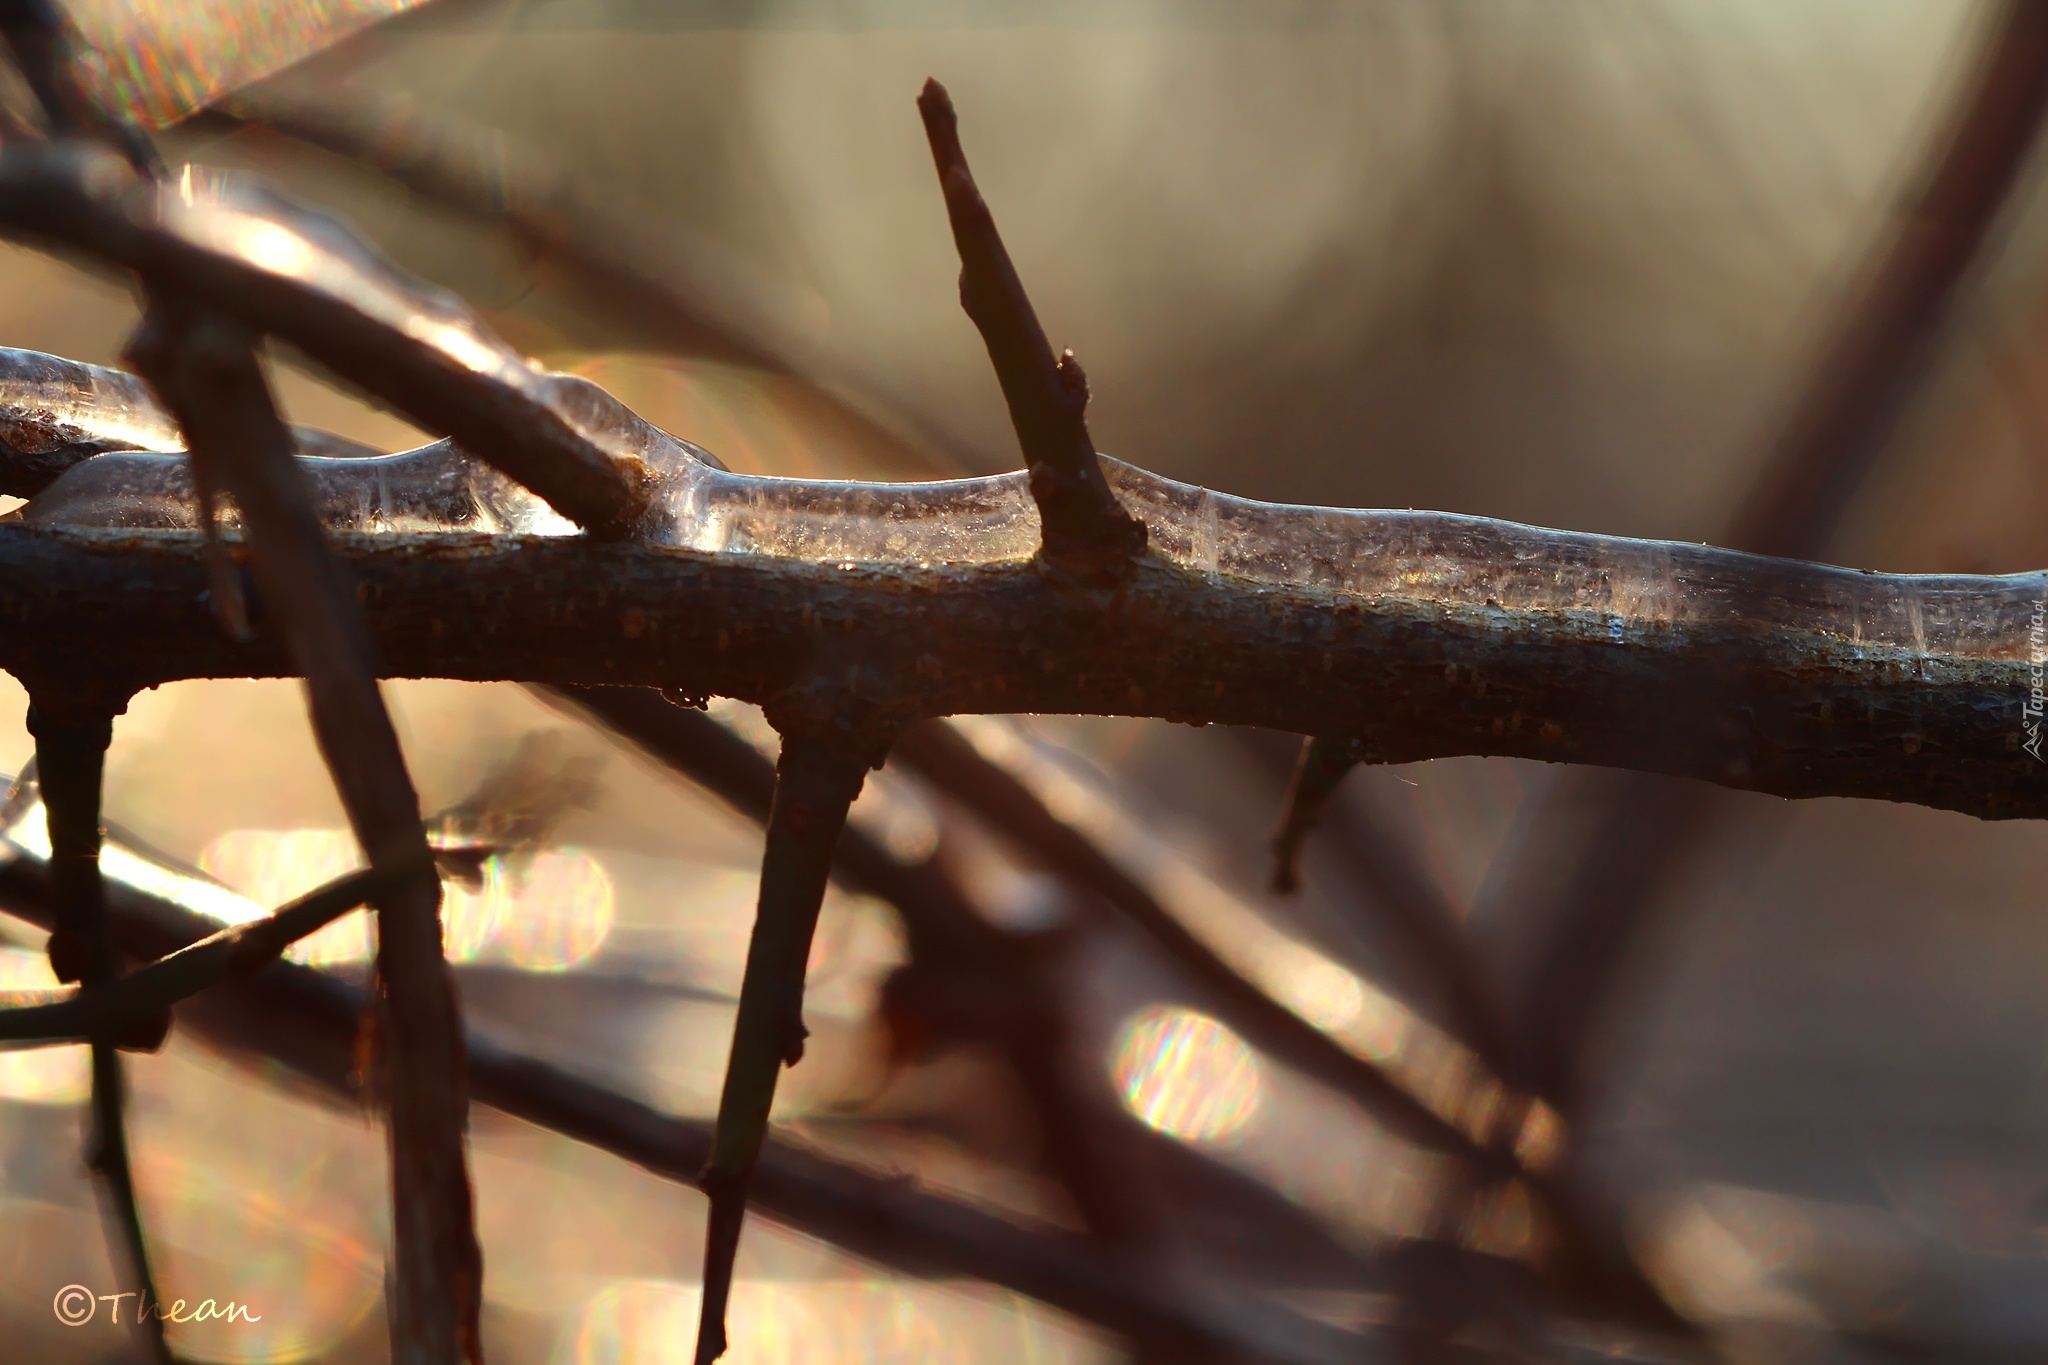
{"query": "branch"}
(116, 1007)
(308, 1019)
(814, 784)
(206, 371)
(1750, 672)
(307, 280)
(1087, 532)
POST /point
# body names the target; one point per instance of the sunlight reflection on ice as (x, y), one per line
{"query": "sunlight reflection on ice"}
(1185, 1074)
(50, 1075)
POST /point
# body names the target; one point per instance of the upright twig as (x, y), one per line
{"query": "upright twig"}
(815, 782)
(205, 368)
(1086, 531)
(71, 747)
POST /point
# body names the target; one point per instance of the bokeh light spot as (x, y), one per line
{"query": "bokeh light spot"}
(554, 908)
(1185, 1074)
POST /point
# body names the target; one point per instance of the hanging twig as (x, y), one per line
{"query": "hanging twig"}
(71, 746)
(987, 974)
(205, 368)
(814, 784)
(1087, 532)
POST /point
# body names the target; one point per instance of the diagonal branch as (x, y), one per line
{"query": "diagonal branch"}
(1086, 531)
(307, 280)
(1603, 873)
(116, 1007)
(206, 371)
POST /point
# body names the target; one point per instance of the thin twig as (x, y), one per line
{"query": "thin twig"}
(206, 371)
(996, 986)
(944, 758)
(116, 1007)
(1087, 532)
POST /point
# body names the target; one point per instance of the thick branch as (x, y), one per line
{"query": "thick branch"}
(1761, 683)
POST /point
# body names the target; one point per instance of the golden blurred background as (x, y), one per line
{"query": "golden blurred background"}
(1560, 261)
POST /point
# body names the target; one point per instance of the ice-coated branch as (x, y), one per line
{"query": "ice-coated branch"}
(71, 748)
(205, 369)
(306, 279)
(815, 782)
(1087, 531)
(1793, 679)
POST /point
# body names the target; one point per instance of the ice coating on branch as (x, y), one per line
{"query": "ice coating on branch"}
(1615, 590)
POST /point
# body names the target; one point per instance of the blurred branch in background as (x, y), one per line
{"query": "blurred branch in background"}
(308, 1020)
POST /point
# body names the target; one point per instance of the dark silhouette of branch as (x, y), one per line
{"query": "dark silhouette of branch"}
(71, 747)
(308, 1020)
(950, 763)
(814, 785)
(206, 371)
(1867, 370)
(1087, 531)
